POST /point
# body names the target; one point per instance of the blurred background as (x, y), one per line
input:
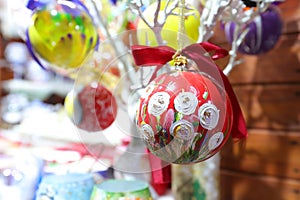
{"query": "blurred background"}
(36, 132)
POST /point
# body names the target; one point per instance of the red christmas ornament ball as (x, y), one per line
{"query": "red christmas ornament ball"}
(94, 107)
(184, 117)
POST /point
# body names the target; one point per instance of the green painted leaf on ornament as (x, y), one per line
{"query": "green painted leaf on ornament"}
(196, 123)
(178, 116)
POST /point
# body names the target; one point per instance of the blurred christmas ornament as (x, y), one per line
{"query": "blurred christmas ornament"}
(147, 32)
(263, 32)
(62, 34)
(92, 109)
(121, 189)
(114, 2)
(65, 186)
(276, 3)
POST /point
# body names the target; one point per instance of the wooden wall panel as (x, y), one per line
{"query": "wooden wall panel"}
(266, 165)
(266, 152)
(239, 186)
(274, 106)
(290, 13)
(280, 65)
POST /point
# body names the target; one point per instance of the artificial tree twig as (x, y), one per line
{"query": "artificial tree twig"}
(136, 9)
(168, 10)
(235, 13)
(159, 19)
(167, 5)
(109, 37)
(209, 16)
(236, 42)
(156, 14)
(156, 25)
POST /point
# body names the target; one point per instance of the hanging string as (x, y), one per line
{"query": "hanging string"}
(179, 60)
(181, 27)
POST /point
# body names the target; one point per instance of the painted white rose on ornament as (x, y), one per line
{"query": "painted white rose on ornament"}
(158, 103)
(208, 115)
(182, 129)
(186, 103)
(147, 131)
(215, 141)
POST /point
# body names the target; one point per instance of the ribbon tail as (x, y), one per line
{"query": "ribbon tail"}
(161, 175)
(239, 129)
(218, 52)
(195, 52)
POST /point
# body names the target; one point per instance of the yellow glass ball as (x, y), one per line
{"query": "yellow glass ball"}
(69, 104)
(170, 29)
(62, 35)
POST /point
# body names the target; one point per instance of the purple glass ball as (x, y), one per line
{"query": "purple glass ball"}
(264, 32)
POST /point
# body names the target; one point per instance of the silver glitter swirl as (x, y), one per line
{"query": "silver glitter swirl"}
(147, 131)
(208, 115)
(158, 103)
(215, 140)
(182, 129)
(186, 103)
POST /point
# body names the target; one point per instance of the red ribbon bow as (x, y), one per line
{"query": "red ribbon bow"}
(149, 56)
